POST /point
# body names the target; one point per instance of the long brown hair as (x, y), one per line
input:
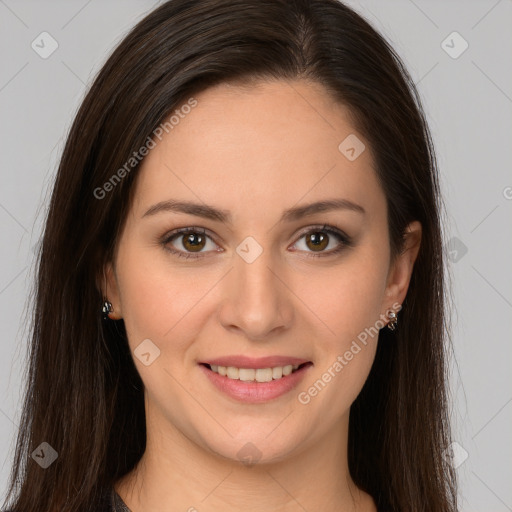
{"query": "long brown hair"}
(84, 396)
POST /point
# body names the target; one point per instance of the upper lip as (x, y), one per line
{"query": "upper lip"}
(255, 362)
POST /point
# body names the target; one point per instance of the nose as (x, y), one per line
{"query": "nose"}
(257, 300)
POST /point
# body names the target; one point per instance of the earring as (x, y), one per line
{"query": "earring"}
(393, 320)
(107, 309)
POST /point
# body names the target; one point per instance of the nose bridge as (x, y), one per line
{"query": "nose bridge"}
(256, 284)
(256, 301)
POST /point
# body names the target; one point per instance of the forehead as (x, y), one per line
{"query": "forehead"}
(274, 143)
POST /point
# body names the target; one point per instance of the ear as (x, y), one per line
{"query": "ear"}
(110, 291)
(400, 272)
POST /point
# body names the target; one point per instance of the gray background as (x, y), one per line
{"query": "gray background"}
(468, 101)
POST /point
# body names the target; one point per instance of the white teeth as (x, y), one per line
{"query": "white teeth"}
(287, 369)
(246, 374)
(264, 375)
(233, 372)
(251, 374)
(277, 372)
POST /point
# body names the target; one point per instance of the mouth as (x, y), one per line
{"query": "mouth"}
(259, 375)
(255, 385)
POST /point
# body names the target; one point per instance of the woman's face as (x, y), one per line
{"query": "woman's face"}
(258, 282)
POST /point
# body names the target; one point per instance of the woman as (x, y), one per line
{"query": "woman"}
(240, 297)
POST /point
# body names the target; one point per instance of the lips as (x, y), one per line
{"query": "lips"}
(240, 361)
(252, 392)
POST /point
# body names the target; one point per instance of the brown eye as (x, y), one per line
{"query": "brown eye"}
(193, 242)
(317, 240)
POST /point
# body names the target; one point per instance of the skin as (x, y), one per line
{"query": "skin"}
(254, 151)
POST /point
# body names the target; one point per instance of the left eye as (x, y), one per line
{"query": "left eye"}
(319, 239)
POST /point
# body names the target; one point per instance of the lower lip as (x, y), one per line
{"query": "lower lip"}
(256, 392)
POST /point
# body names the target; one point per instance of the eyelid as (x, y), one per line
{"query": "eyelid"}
(330, 228)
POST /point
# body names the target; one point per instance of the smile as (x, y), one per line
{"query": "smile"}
(255, 385)
(255, 374)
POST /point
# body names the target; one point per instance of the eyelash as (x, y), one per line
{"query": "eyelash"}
(346, 241)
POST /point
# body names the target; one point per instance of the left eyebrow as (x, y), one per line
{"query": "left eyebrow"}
(224, 216)
(298, 212)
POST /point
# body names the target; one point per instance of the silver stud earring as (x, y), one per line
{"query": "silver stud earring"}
(393, 320)
(107, 308)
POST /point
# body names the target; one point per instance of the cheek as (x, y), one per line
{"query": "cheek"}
(158, 301)
(350, 311)
(347, 298)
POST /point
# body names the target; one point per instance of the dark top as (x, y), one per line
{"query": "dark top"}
(117, 504)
